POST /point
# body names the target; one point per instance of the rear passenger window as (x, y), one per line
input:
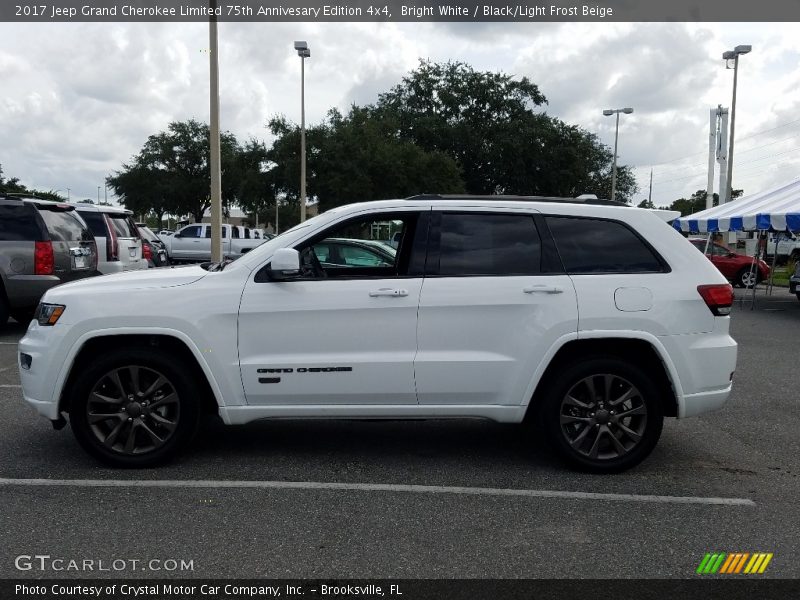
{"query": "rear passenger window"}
(600, 246)
(18, 223)
(489, 244)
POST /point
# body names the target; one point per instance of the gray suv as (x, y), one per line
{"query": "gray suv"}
(42, 244)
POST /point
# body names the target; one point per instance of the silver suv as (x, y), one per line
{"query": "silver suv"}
(42, 244)
(119, 243)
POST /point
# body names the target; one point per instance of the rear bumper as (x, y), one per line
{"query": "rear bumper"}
(697, 404)
(25, 291)
(705, 364)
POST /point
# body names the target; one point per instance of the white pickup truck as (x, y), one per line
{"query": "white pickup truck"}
(786, 246)
(193, 242)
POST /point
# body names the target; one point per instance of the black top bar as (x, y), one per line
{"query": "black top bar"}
(498, 198)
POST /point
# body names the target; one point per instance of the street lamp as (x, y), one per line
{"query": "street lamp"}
(98, 194)
(608, 113)
(303, 52)
(726, 56)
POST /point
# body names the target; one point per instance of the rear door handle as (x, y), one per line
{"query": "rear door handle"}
(388, 292)
(542, 289)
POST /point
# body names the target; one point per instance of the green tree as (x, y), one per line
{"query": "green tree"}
(357, 157)
(646, 203)
(13, 186)
(697, 202)
(487, 123)
(172, 172)
(255, 190)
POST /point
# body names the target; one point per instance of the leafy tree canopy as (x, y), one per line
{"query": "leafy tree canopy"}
(172, 172)
(697, 202)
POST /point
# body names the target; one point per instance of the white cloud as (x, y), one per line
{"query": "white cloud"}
(80, 99)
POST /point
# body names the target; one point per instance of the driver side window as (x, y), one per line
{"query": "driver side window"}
(361, 248)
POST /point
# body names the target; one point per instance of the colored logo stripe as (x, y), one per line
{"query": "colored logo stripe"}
(735, 562)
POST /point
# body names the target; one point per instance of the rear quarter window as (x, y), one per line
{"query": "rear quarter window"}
(18, 223)
(589, 245)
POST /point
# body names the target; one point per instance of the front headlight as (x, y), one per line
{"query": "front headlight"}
(49, 314)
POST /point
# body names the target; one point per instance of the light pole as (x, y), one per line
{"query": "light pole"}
(303, 52)
(68, 194)
(98, 194)
(608, 113)
(214, 141)
(726, 56)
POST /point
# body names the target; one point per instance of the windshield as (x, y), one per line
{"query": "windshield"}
(285, 239)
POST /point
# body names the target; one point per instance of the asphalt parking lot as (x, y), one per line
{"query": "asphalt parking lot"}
(506, 520)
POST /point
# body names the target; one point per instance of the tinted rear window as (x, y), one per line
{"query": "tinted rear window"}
(18, 223)
(600, 246)
(64, 226)
(123, 226)
(489, 244)
(96, 223)
(147, 234)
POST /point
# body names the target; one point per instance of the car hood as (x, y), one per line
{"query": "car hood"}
(136, 280)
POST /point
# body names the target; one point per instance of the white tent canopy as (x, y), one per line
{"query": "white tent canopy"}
(776, 209)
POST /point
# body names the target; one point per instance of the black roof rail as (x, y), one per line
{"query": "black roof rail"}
(512, 198)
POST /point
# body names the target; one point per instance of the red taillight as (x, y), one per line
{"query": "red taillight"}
(111, 240)
(147, 253)
(718, 297)
(43, 262)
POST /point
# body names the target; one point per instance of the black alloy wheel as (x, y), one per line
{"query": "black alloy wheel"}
(135, 408)
(603, 414)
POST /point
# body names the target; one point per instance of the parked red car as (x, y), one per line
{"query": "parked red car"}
(736, 267)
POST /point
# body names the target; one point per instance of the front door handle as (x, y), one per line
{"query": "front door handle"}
(388, 292)
(542, 289)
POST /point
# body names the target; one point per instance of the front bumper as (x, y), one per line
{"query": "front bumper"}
(38, 381)
(794, 283)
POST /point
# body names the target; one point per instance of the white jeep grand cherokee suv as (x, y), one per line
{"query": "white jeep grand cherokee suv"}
(591, 319)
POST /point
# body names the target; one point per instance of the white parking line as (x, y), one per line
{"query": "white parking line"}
(10, 385)
(9, 343)
(368, 487)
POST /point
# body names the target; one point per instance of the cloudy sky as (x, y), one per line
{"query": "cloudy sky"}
(78, 99)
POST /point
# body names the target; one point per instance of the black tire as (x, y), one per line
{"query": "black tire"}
(743, 278)
(3, 307)
(575, 435)
(23, 316)
(171, 411)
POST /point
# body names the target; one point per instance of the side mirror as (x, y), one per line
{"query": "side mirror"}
(731, 254)
(177, 234)
(285, 264)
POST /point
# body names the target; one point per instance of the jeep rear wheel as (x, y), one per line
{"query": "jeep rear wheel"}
(603, 415)
(134, 408)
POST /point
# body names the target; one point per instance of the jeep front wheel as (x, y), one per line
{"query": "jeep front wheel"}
(134, 408)
(603, 415)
